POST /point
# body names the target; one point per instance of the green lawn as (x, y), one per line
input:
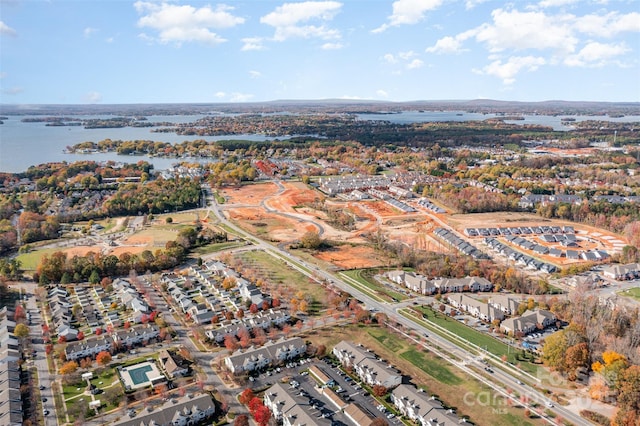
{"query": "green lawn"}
(364, 278)
(471, 335)
(632, 292)
(277, 272)
(216, 247)
(436, 370)
(31, 260)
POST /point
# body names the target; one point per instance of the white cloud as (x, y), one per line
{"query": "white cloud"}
(516, 30)
(252, 43)
(408, 12)
(470, 4)
(608, 25)
(88, 31)
(447, 45)
(220, 95)
(595, 54)
(184, 23)
(332, 46)
(93, 97)
(7, 30)
(255, 74)
(555, 3)
(507, 71)
(381, 93)
(390, 58)
(415, 64)
(290, 20)
(240, 97)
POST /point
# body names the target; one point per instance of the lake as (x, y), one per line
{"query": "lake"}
(26, 144)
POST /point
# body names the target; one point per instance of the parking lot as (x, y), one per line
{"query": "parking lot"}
(303, 385)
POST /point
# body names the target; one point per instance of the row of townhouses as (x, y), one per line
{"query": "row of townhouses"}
(421, 408)
(11, 412)
(185, 411)
(263, 320)
(126, 338)
(454, 241)
(622, 272)
(366, 365)
(420, 284)
(272, 353)
(61, 316)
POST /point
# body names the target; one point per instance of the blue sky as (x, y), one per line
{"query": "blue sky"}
(147, 51)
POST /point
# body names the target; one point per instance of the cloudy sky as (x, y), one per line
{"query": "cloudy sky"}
(147, 51)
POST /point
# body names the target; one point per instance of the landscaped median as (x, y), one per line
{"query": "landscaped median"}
(470, 339)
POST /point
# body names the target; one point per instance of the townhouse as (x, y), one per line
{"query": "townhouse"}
(506, 303)
(421, 408)
(10, 398)
(622, 272)
(478, 309)
(289, 409)
(273, 353)
(185, 411)
(136, 335)
(89, 347)
(172, 364)
(448, 285)
(412, 281)
(369, 368)
(528, 322)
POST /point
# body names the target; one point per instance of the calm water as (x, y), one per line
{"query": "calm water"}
(26, 144)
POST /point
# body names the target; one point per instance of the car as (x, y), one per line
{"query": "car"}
(519, 382)
(549, 404)
(45, 412)
(41, 387)
(390, 415)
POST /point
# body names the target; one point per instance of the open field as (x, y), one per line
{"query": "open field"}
(350, 256)
(248, 194)
(632, 292)
(432, 373)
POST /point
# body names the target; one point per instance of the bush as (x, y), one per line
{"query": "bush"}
(595, 417)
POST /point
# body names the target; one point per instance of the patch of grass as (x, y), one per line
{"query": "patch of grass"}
(632, 292)
(365, 278)
(280, 273)
(438, 371)
(480, 339)
(216, 247)
(31, 260)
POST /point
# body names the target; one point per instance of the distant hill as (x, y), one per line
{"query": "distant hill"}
(551, 107)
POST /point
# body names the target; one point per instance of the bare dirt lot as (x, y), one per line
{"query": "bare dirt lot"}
(348, 256)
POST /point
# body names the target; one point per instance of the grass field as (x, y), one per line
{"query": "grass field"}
(480, 339)
(216, 247)
(364, 278)
(279, 273)
(434, 374)
(632, 292)
(31, 260)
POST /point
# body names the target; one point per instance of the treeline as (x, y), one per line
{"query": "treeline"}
(156, 196)
(93, 267)
(601, 214)
(471, 199)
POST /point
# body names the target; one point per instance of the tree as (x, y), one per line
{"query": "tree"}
(246, 396)
(553, 351)
(628, 397)
(311, 240)
(262, 415)
(241, 420)
(103, 358)
(94, 278)
(379, 390)
(254, 404)
(68, 367)
(21, 331)
(577, 356)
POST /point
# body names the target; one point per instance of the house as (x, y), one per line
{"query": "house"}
(412, 281)
(173, 364)
(528, 322)
(10, 397)
(273, 353)
(506, 304)
(89, 347)
(290, 409)
(622, 272)
(446, 285)
(185, 411)
(421, 408)
(370, 369)
(476, 308)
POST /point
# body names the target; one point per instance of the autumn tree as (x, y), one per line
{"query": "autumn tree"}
(628, 398)
(246, 396)
(553, 351)
(241, 420)
(68, 367)
(103, 358)
(311, 240)
(21, 331)
(262, 415)
(577, 356)
(379, 390)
